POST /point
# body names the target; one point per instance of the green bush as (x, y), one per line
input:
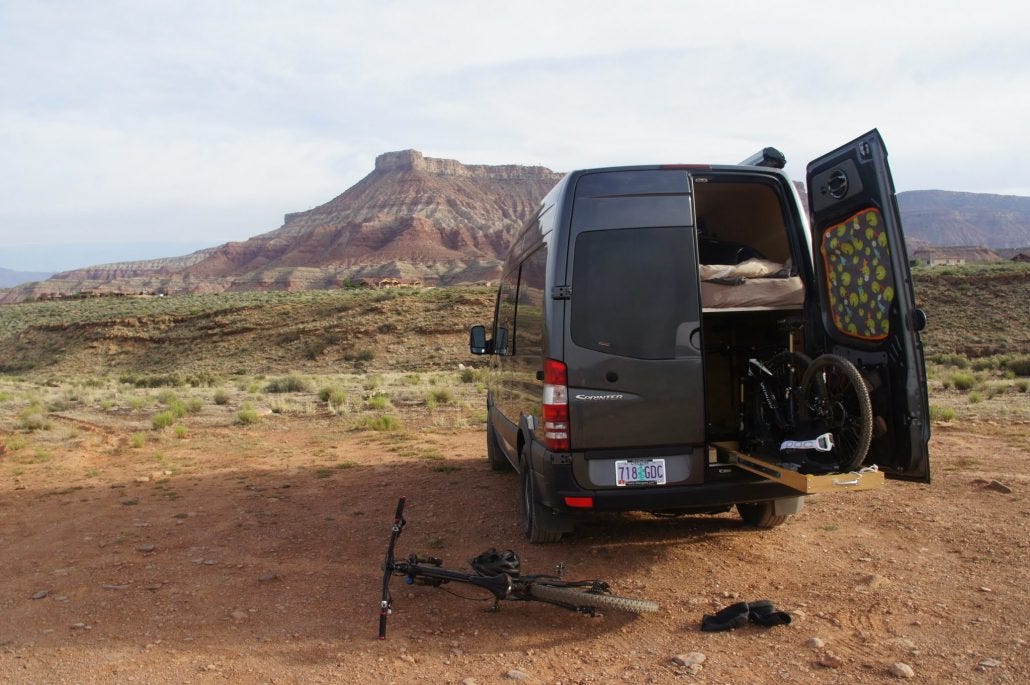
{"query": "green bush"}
(938, 413)
(33, 419)
(194, 405)
(378, 423)
(246, 416)
(377, 402)
(1022, 385)
(468, 375)
(163, 419)
(288, 384)
(975, 397)
(221, 397)
(956, 360)
(180, 431)
(963, 381)
(439, 396)
(334, 396)
(1019, 365)
(137, 440)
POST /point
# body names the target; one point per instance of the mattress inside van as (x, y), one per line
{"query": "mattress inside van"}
(750, 284)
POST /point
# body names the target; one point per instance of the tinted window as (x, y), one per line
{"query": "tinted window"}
(506, 314)
(529, 329)
(634, 291)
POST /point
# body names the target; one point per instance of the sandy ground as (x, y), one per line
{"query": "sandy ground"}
(252, 555)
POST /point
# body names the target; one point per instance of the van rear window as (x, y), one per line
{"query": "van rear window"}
(635, 291)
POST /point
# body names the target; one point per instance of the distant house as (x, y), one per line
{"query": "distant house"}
(944, 256)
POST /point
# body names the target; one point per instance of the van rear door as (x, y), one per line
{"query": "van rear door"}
(633, 339)
(868, 310)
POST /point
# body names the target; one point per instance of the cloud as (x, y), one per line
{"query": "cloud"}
(213, 119)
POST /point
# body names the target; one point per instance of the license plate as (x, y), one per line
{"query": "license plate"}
(640, 472)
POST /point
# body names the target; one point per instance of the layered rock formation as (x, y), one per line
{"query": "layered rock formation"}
(414, 218)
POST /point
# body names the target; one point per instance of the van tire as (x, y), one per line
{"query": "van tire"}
(535, 517)
(761, 514)
(494, 454)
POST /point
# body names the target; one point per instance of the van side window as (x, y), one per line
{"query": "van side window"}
(506, 313)
(529, 327)
(632, 290)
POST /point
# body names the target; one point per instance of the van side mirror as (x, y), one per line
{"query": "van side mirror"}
(478, 344)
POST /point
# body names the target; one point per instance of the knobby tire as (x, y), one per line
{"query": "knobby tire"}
(579, 597)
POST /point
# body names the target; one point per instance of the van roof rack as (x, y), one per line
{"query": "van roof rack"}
(768, 157)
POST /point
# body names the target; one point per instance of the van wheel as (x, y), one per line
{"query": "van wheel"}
(535, 518)
(761, 514)
(494, 455)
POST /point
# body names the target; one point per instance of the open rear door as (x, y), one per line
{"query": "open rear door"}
(868, 311)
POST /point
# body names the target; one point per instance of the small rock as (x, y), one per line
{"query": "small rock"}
(815, 643)
(998, 486)
(142, 479)
(407, 657)
(902, 670)
(830, 660)
(210, 562)
(468, 681)
(78, 626)
(40, 595)
(691, 659)
(146, 547)
(152, 586)
(457, 651)
(515, 674)
(112, 586)
(268, 577)
(873, 580)
(990, 663)
(984, 588)
(239, 614)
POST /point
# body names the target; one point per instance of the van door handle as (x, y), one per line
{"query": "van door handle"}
(695, 333)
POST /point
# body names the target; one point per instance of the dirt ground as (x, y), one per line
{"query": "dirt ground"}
(252, 555)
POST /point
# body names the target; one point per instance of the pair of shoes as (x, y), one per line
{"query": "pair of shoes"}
(761, 612)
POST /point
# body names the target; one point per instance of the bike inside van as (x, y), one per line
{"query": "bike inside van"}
(650, 318)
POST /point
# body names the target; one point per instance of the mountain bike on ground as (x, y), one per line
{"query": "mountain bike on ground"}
(499, 573)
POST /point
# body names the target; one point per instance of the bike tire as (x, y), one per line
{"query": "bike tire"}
(579, 597)
(837, 400)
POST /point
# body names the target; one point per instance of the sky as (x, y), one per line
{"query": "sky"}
(145, 129)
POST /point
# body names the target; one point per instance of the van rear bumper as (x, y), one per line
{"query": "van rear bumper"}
(685, 498)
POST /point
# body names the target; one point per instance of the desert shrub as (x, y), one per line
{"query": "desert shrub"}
(138, 403)
(333, 396)
(985, 363)
(313, 349)
(194, 405)
(33, 419)
(180, 431)
(388, 327)
(1019, 365)
(439, 396)
(5, 396)
(468, 375)
(384, 422)
(288, 384)
(938, 413)
(163, 419)
(1022, 386)
(975, 397)
(956, 360)
(137, 440)
(963, 381)
(378, 402)
(167, 397)
(152, 381)
(201, 378)
(246, 415)
(15, 442)
(221, 397)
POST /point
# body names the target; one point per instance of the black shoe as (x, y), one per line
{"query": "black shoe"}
(764, 613)
(733, 616)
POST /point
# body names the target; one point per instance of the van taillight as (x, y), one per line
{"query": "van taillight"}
(556, 406)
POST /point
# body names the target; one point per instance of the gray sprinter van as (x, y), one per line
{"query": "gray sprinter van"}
(631, 303)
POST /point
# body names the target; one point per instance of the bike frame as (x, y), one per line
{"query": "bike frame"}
(502, 586)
